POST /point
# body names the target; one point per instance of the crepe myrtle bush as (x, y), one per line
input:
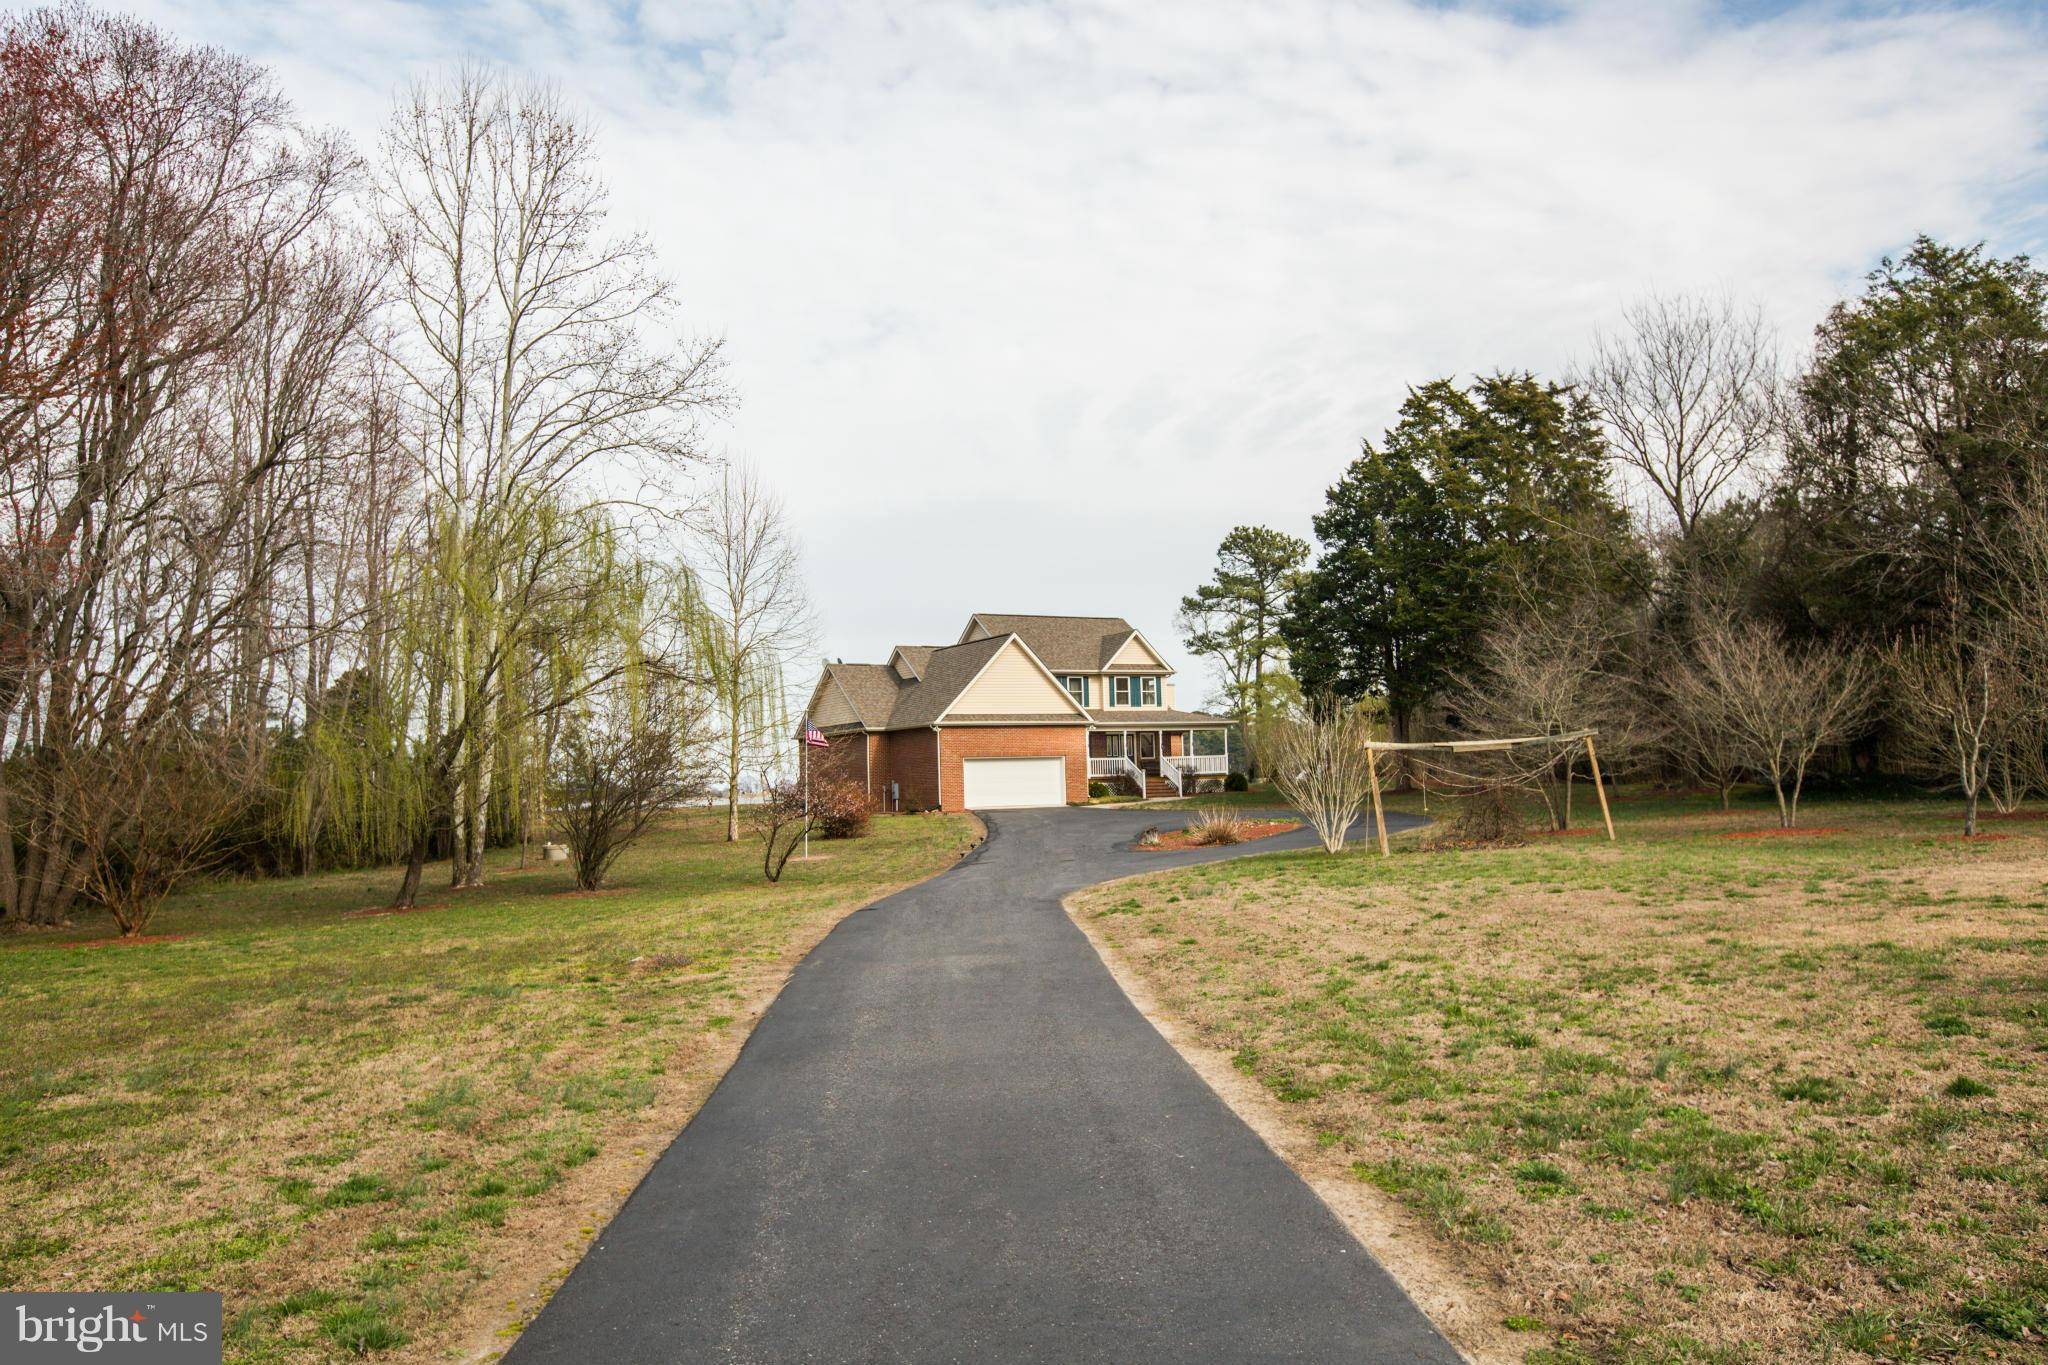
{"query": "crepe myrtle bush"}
(840, 808)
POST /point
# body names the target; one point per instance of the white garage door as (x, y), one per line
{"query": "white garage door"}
(1007, 783)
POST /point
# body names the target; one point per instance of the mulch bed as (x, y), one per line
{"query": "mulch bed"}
(1582, 832)
(1796, 832)
(1174, 839)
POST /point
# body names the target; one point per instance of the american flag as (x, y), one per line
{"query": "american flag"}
(815, 737)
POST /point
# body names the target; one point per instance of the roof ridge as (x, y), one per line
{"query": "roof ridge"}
(1052, 616)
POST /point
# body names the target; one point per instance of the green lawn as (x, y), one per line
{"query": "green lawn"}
(1684, 1098)
(348, 1123)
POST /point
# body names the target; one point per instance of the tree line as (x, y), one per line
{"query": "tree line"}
(358, 504)
(1734, 569)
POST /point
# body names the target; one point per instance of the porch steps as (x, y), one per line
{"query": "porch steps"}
(1157, 787)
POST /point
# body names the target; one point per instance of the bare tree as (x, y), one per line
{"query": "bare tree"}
(1321, 764)
(146, 815)
(1782, 705)
(622, 761)
(143, 520)
(540, 363)
(781, 821)
(1956, 698)
(758, 617)
(2018, 604)
(1552, 671)
(1686, 390)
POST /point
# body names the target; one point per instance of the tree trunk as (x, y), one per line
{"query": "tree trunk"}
(732, 773)
(10, 883)
(1970, 814)
(415, 864)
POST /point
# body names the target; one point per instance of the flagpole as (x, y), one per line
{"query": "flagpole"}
(803, 756)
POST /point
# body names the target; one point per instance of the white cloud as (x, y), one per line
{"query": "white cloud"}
(1029, 303)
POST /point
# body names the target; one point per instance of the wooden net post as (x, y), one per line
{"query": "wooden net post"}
(1599, 787)
(1379, 816)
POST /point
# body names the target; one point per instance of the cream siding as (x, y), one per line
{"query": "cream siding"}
(1135, 655)
(1012, 685)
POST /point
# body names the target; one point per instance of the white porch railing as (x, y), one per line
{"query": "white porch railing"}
(1183, 769)
(1118, 767)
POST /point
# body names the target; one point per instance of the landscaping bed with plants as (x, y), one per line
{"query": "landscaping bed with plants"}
(1235, 830)
(390, 1135)
(1679, 1098)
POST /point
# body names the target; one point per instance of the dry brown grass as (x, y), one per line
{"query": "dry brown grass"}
(1676, 1099)
(391, 1135)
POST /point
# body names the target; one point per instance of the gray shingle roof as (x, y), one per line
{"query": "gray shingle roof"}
(917, 655)
(1066, 644)
(886, 701)
(871, 688)
(1070, 644)
(946, 674)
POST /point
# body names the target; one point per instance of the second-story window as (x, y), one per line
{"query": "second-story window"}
(1120, 691)
(1148, 689)
(1077, 688)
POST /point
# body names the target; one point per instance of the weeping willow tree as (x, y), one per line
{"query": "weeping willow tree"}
(495, 638)
(350, 782)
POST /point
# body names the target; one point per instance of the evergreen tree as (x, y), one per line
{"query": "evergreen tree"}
(1474, 493)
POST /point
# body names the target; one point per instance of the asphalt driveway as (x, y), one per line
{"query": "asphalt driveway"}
(952, 1138)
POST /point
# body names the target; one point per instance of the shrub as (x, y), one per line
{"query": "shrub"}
(839, 807)
(618, 765)
(1098, 790)
(1486, 819)
(1236, 782)
(1217, 826)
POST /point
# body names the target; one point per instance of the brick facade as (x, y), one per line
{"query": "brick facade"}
(957, 743)
(907, 758)
(911, 760)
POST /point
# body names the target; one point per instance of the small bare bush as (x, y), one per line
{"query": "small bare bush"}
(1322, 765)
(1485, 819)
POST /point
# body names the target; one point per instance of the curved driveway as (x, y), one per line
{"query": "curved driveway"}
(952, 1138)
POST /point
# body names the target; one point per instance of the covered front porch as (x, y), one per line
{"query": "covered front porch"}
(1159, 761)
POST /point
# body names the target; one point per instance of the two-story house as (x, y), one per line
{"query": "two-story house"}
(1019, 711)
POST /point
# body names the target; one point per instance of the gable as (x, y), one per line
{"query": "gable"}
(829, 705)
(1136, 654)
(1012, 684)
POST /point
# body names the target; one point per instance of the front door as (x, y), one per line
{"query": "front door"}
(1147, 744)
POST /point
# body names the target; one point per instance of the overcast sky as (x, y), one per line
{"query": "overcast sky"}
(1027, 304)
